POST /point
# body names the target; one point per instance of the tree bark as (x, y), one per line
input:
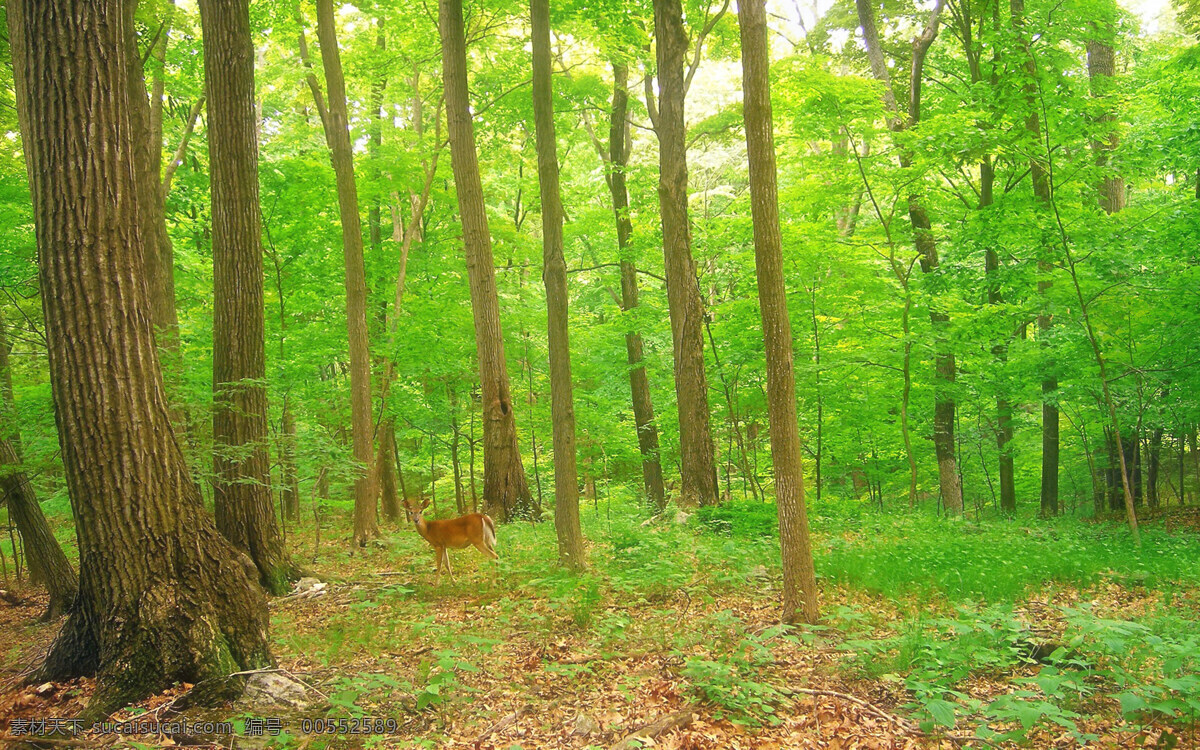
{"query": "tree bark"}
(291, 479)
(163, 597)
(337, 133)
(47, 563)
(923, 240)
(799, 581)
(619, 142)
(505, 491)
(698, 469)
(241, 467)
(554, 276)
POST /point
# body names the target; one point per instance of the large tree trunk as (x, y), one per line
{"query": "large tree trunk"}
(241, 468)
(643, 407)
(799, 581)
(163, 597)
(554, 276)
(698, 467)
(47, 563)
(923, 240)
(337, 133)
(505, 492)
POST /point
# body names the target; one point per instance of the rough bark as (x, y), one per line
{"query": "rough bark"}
(619, 142)
(799, 581)
(698, 469)
(1102, 65)
(47, 563)
(337, 133)
(505, 491)
(554, 276)
(923, 239)
(163, 597)
(241, 467)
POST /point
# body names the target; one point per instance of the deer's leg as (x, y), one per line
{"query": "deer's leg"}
(482, 546)
(437, 565)
(446, 557)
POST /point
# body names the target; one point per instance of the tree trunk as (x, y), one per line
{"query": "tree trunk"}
(291, 481)
(923, 240)
(1045, 320)
(799, 581)
(505, 492)
(639, 384)
(163, 597)
(1004, 431)
(337, 133)
(698, 467)
(1153, 459)
(554, 276)
(47, 563)
(460, 500)
(146, 121)
(241, 467)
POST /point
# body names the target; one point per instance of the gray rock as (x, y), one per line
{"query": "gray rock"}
(584, 726)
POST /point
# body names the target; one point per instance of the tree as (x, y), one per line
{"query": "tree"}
(923, 239)
(799, 579)
(697, 459)
(47, 563)
(337, 133)
(505, 492)
(242, 485)
(163, 597)
(554, 275)
(619, 146)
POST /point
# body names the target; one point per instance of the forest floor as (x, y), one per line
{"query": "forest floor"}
(935, 633)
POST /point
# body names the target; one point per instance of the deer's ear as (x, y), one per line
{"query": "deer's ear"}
(424, 505)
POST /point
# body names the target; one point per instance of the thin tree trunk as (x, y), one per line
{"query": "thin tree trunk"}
(926, 245)
(698, 470)
(619, 142)
(47, 563)
(799, 581)
(241, 467)
(163, 597)
(337, 133)
(554, 275)
(291, 479)
(1153, 459)
(146, 121)
(456, 436)
(1041, 192)
(505, 492)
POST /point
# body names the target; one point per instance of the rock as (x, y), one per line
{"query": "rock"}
(681, 518)
(759, 571)
(584, 726)
(275, 693)
(309, 587)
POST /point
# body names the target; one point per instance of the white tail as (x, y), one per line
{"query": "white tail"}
(456, 533)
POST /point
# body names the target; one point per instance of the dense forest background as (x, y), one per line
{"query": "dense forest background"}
(989, 218)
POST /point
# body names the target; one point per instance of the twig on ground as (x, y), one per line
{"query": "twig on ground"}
(677, 720)
(501, 725)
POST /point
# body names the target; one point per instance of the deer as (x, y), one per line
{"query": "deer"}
(456, 533)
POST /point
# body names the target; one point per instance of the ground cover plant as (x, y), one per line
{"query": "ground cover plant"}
(1098, 647)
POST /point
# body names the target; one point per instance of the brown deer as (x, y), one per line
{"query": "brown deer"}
(455, 533)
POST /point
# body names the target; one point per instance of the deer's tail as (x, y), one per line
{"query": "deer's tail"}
(489, 533)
